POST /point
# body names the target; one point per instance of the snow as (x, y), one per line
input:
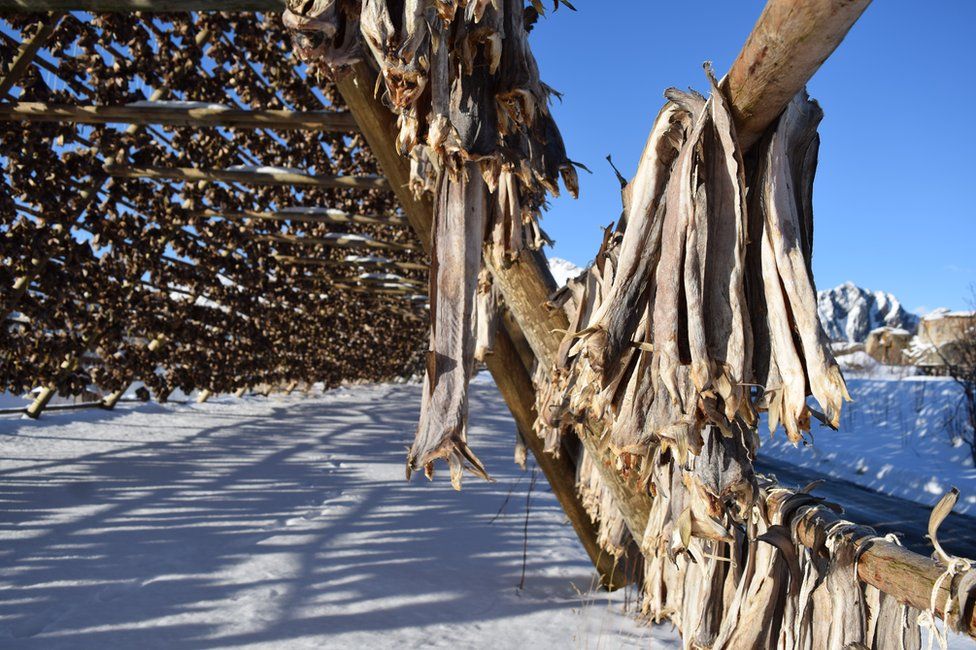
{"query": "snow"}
(366, 259)
(943, 312)
(849, 313)
(265, 169)
(900, 436)
(284, 523)
(563, 270)
(349, 236)
(173, 103)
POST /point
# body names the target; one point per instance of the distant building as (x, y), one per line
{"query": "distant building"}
(940, 339)
(888, 345)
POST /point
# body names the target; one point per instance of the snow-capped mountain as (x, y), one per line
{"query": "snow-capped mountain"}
(563, 270)
(849, 313)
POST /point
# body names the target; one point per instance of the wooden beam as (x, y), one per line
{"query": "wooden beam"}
(513, 379)
(789, 42)
(157, 6)
(350, 241)
(307, 215)
(247, 177)
(178, 116)
(204, 395)
(315, 261)
(27, 51)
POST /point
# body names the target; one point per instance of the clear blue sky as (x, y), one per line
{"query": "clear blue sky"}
(894, 207)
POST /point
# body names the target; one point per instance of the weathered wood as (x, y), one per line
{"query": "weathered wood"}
(315, 261)
(893, 569)
(28, 49)
(789, 42)
(47, 392)
(333, 216)
(157, 6)
(247, 177)
(352, 241)
(178, 116)
(204, 395)
(378, 126)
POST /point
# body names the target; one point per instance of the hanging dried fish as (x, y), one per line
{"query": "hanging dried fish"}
(459, 223)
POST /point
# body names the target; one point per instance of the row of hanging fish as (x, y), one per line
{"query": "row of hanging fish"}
(700, 309)
(473, 119)
(462, 80)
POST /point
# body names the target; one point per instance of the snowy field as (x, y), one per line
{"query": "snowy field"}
(284, 522)
(898, 436)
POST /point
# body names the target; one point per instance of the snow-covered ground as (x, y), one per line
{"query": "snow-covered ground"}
(899, 436)
(284, 522)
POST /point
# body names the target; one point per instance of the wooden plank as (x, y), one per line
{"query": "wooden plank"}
(789, 42)
(179, 116)
(27, 51)
(316, 261)
(350, 241)
(247, 177)
(157, 6)
(312, 215)
(378, 127)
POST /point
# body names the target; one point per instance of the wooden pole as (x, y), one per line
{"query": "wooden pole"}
(204, 395)
(316, 261)
(307, 215)
(348, 241)
(47, 392)
(174, 115)
(240, 391)
(788, 44)
(27, 51)
(103, 6)
(247, 177)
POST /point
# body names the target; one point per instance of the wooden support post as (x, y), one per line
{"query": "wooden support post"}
(109, 401)
(291, 387)
(163, 395)
(204, 395)
(246, 177)
(196, 116)
(240, 392)
(47, 392)
(514, 382)
(27, 51)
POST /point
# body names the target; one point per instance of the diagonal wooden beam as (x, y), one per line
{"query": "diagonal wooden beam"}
(788, 44)
(257, 176)
(28, 49)
(178, 115)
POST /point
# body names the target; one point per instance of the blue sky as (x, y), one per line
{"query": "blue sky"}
(893, 196)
